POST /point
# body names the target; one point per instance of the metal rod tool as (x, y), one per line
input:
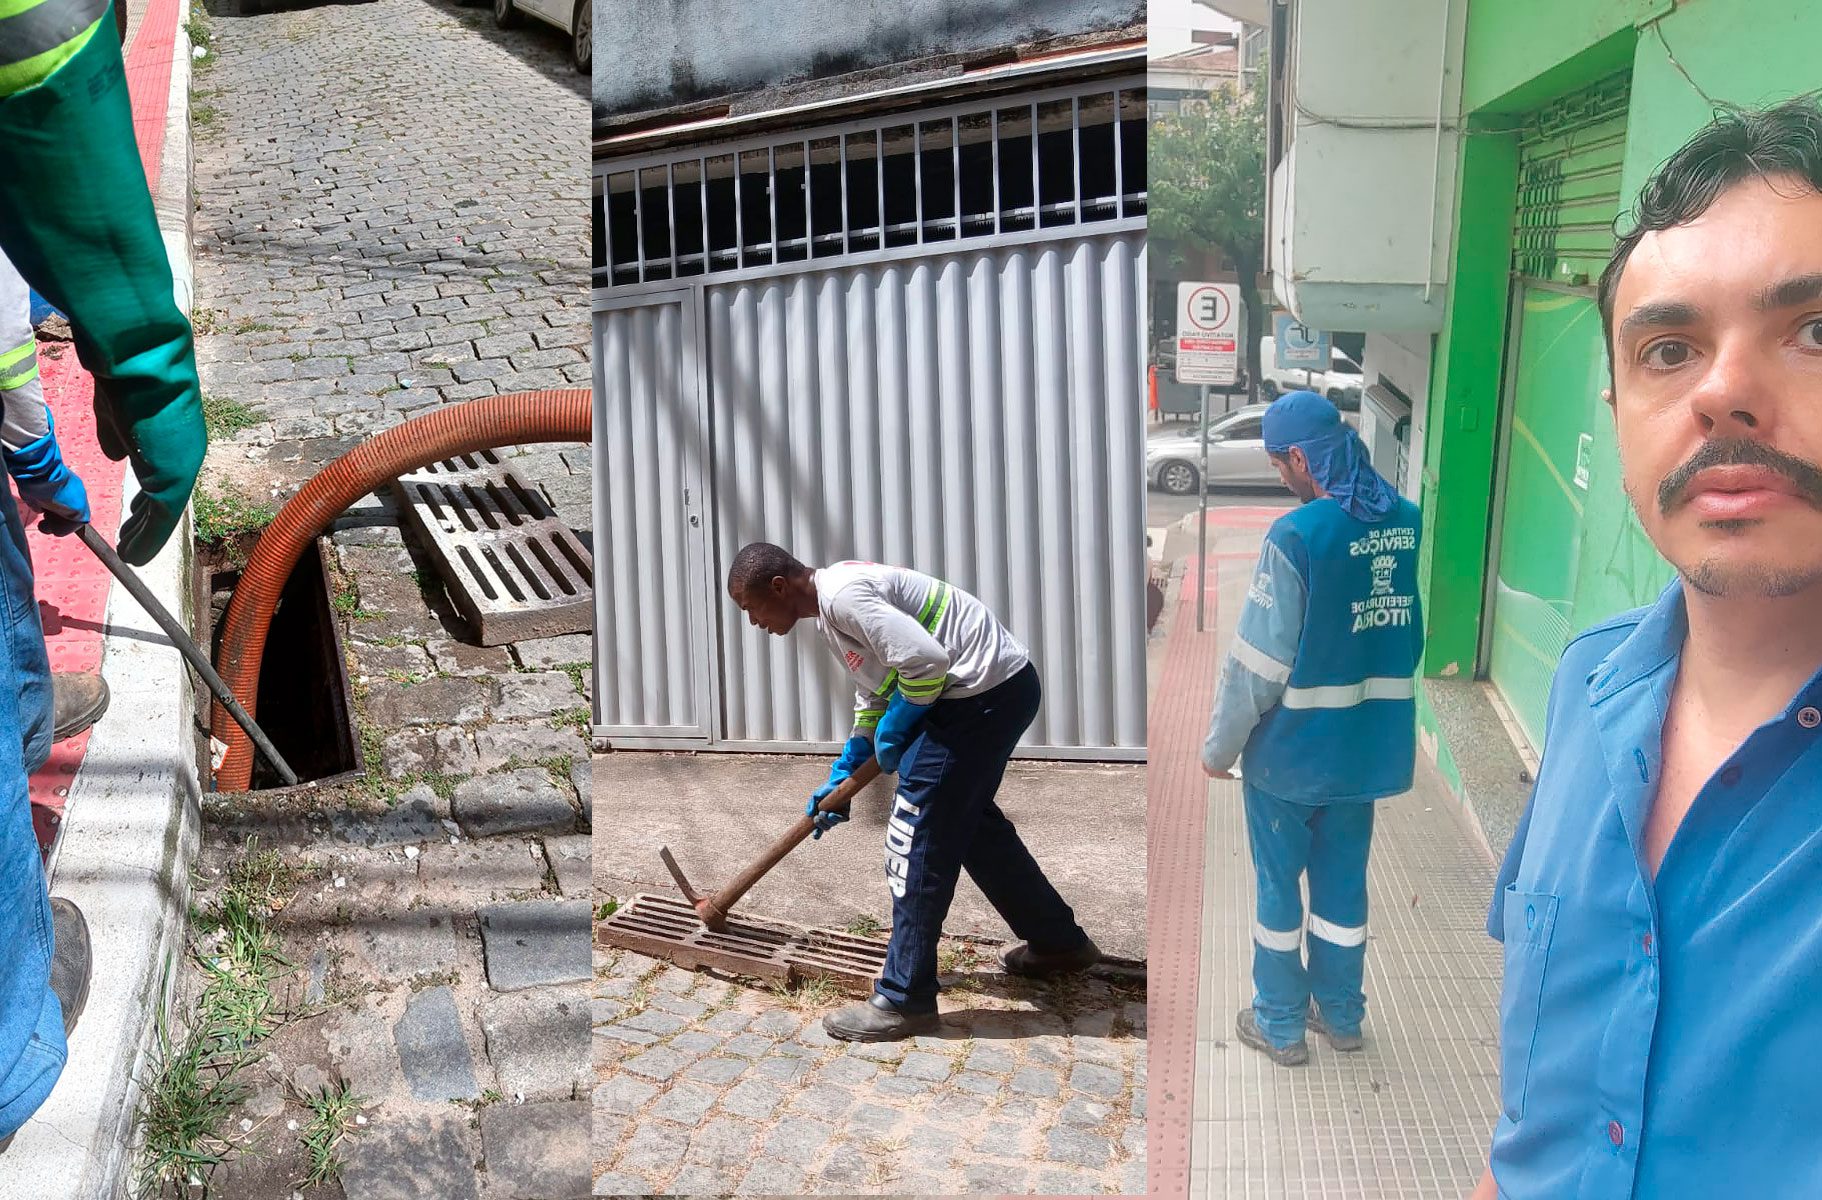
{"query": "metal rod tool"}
(179, 637)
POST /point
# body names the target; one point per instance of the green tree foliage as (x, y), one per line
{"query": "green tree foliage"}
(1206, 175)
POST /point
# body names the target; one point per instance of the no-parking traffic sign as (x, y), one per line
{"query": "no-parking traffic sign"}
(1210, 323)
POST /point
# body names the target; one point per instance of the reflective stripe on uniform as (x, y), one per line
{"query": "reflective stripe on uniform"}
(935, 605)
(35, 41)
(868, 718)
(1274, 939)
(1347, 695)
(1337, 935)
(922, 689)
(19, 366)
(1259, 662)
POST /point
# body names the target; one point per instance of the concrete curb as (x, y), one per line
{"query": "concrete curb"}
(133, 824)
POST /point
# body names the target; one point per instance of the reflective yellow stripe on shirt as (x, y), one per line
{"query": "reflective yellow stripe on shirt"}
(38, 36)
(19, 366)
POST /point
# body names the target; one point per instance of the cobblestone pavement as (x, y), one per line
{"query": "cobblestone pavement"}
(392, 215)
(708, 1086)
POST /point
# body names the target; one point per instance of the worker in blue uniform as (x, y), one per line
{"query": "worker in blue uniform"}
(1316, 702)
(77, 223)
(1661, 1008)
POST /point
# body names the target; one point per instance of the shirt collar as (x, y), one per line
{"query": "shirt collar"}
(1654, 643)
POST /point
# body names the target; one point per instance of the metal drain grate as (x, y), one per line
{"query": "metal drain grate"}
(666, 927)
(510, 564)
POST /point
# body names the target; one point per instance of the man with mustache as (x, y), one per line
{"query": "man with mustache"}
(1661, 1016)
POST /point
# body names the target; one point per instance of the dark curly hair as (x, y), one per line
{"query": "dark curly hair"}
(1782, 141)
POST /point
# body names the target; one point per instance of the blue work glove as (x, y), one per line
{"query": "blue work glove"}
(47, 484)
(857, 751)
(896, 729)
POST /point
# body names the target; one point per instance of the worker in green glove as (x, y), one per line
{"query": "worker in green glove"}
(76, 220)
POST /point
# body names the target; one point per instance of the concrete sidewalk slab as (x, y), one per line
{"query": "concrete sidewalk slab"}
(1084, 822)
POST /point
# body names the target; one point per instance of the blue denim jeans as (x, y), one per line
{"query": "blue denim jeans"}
(1331, 842)
(32, 1049)
(944, 821)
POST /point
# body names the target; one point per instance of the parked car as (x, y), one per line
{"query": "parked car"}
(574, 17)
(1342, 382)
(1236, 455)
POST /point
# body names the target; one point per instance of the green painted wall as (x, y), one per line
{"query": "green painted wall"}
(1464, 391)
(1519, 54)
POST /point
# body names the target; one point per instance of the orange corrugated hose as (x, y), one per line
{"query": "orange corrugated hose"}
(552, 416)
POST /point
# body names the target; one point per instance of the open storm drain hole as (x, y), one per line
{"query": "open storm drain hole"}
(306, 705)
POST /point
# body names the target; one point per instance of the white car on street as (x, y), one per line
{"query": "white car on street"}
(574, 17)
(1236, 455)
(1342, 382)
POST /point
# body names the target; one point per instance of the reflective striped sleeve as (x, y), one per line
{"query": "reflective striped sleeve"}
(903, 642)
(868, 709)
(1259, 663)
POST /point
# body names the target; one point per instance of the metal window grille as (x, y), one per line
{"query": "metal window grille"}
(1060, 157)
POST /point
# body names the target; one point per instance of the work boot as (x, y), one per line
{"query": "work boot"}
(1021, 959)
(1293, 1055)
(72, 964)
(77, 701)
(878, 1020)
(71, 968)
(1345, 1042)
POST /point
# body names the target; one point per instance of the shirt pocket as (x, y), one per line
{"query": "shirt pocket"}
(1530, 922)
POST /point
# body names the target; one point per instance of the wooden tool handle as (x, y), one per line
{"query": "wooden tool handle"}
(836, 801)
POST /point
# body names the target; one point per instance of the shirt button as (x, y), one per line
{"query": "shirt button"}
(1730, 776)
(1615, 1134)
(1809, 718)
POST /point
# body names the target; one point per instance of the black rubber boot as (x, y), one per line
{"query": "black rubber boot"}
(1347, 1043)
(72, 963)
(77, 701)
(1293, 1055)
(1021, 959)
(72, 966)
(878, 1020)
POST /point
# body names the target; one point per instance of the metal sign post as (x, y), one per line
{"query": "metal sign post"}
(1202, 525)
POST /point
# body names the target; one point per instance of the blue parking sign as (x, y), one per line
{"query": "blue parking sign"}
(1298, 346)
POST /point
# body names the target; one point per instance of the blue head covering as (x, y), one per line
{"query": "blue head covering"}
(1337, 457)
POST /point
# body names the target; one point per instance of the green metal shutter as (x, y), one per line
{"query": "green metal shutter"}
(1570, 154)
(1569, 158)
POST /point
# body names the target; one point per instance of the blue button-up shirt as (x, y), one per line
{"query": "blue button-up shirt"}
(1660, 1038)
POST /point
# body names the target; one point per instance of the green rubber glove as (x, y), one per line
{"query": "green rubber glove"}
(76, 220)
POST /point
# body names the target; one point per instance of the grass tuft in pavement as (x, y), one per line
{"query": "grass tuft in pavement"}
(222, 417)
(193, 1084)
(227, 512)
(811, 995)
(332, 1113)
(865, 926)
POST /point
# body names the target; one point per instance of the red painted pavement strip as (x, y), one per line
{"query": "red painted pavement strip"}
(1176, 800)
(72, 585)
(149, 64)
